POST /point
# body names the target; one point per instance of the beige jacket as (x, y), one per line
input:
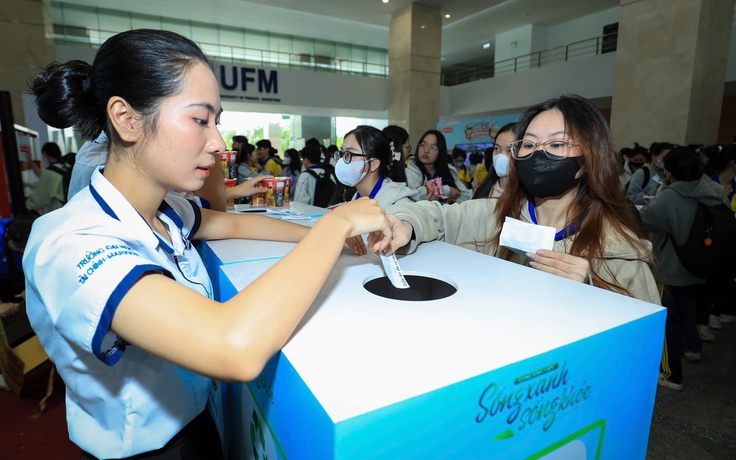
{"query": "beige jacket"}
(472, 225)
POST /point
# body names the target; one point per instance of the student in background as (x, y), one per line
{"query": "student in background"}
(267, 157)
(292, 169)
(459, 156)
(119, 298)
(48, 193)
(669, 216)
(306, 185)
(644, 182)
(431, 161)
(495, 182)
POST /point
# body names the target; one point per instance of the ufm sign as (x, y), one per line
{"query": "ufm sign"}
(244, 83)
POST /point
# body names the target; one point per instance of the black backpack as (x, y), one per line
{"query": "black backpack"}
(324, 189)
(710, 248)
(66, 177)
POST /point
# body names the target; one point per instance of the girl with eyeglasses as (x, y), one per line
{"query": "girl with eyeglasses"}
(431, 161)
(564, 174)
(366, 162)
(116, 292)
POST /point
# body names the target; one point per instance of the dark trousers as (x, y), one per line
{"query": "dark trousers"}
(198, 440)
(679, 329)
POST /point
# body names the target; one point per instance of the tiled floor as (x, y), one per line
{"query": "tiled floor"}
(699, 422)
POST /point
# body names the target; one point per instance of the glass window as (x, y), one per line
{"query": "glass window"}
(114, 21)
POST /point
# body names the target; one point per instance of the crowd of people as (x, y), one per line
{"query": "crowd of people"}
(148, 310)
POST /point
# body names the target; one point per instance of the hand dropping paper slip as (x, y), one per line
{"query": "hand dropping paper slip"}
(526, 238)
(393, 271)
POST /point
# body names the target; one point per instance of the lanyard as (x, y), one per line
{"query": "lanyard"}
(564, 233)
(375, 190)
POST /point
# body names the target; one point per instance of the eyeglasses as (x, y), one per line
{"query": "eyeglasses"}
(431, 147)
(554, 149)
(347, 156)
(408, 150)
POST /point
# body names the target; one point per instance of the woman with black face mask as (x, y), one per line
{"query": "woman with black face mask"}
(564, 174)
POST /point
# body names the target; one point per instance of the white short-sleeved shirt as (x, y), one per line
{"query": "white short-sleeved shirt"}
(80, 262)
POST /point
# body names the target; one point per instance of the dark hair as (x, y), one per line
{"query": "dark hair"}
(484, 188)
(296, 159)
(142, 66)
(719, 157)
(600, 205)
(440, 164)
(312, 141)
(52, 149)
(243, 152)
(375, 144)
(683, 164)
(640, 150)
(241, 139)
(69, 159)
(458, 152)
(312, 153)
(397, 134)
(658, 147)
(332, 148)
(266, 143)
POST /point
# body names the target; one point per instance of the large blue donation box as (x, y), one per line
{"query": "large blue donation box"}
(490, 360)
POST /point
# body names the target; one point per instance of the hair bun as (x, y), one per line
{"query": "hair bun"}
(64, 97)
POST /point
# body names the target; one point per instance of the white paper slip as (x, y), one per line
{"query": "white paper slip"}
(393, 271)
(526, 238)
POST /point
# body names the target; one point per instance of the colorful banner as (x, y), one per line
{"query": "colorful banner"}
(474, 134)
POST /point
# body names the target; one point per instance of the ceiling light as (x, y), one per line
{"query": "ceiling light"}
(384, 1)
(486, 46)
(448, 15)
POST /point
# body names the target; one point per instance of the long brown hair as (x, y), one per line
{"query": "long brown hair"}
(600, 204)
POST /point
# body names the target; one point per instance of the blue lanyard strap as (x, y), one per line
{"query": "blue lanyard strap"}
(562, 234)
(375, 190)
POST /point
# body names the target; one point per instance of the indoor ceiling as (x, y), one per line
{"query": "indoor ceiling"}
(366, 22)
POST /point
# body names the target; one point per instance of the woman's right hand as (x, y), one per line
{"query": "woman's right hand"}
(401, 232)
(364, 216)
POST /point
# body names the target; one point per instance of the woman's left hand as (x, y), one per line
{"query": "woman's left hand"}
(561, 264)
(357, 245)
(455, 193)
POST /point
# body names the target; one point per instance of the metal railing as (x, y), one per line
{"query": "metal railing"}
(92, 38)
(583, 48)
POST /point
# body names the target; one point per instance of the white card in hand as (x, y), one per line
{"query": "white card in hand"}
(526, 238)
(393, 271)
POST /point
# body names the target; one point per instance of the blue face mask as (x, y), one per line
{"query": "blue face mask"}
(501, 165)
(351, 173)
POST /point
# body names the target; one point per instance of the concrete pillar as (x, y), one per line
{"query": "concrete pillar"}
(415, 46)
(670, 67)
(26, 34)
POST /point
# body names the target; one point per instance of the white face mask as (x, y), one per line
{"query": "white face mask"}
(501, 165)
(352, 173)
(286, 161)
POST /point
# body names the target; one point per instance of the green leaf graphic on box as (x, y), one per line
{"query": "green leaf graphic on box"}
(505, 435)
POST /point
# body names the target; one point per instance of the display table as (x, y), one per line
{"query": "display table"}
(516, 364)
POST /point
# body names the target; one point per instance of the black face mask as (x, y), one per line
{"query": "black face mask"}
(634, 166)
(543, 177)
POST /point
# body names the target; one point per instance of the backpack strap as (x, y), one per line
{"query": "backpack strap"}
(314, 174)
(647, 176)
(61, 171)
